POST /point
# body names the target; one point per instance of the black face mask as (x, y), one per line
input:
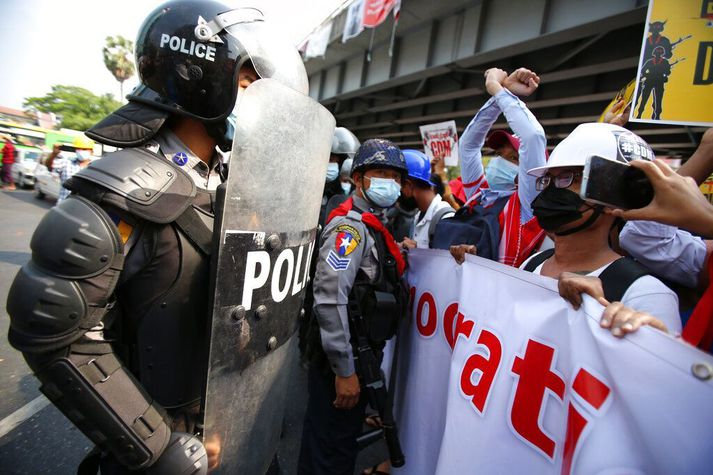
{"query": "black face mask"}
(407, 203)
(555, 207)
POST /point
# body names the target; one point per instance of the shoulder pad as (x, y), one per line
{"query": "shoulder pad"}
(138, 181)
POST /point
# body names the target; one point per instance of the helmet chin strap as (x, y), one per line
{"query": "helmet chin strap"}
(216, 130)
(598, 209)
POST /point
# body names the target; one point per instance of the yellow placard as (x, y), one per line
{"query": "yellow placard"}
(675, 76)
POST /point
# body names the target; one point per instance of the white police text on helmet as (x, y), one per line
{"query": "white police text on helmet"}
(191, 48)
(287, 275)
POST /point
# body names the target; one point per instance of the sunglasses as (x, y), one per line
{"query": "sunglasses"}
(563, 180)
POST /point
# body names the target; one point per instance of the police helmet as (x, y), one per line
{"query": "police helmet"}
(379, 153)
(189, 53)
(344, 142)
(419, 166)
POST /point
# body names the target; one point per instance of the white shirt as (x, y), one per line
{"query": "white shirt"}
(171, 147)
(645, 294)
(423, 221)
(665, 250)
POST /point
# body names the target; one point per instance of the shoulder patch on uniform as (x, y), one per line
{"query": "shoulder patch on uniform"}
(337, 263)
(348, 239)
(125, 229)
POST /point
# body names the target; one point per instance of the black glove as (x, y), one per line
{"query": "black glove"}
(184, 455)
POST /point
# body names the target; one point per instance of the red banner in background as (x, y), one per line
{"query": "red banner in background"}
(376, 11)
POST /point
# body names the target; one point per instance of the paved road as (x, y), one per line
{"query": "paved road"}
(35, 438)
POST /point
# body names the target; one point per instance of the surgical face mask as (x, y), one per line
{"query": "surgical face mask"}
(501, 174)
(230, 127)
(346, 187)
(332, 171)
(83, 155)
(383, 192)
(556, 207)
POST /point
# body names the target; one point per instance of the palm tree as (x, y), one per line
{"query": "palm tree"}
(118, 52)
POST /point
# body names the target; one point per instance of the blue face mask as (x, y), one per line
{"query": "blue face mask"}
(230, 126)
(383, 192)
(332, 172)
(346, 187)
(501, 174)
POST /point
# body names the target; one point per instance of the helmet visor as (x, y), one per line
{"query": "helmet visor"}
(271, 54)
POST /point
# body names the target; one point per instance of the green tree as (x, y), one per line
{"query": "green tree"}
(118, 59)
(76, 107)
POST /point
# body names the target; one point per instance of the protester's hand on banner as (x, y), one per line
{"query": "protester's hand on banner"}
(677, 200)
(460, 250)
(619, 113)
(494, 78)
(408, 243)
(571, 287)
(522, 82)
(622, 320)
(347, 390)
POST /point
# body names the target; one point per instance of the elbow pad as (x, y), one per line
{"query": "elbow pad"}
(64, 291)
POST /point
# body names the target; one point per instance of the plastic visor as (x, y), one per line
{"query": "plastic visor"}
(271, 54)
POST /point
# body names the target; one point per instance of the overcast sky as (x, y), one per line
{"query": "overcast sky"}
(47, 42)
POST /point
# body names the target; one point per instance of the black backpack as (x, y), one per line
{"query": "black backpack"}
(616, 278)
(477, 225)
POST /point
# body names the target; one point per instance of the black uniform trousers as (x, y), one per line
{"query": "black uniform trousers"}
(329, 435)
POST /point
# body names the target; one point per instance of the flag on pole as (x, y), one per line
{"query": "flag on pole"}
(318, 41)
(397, 12)
(354, 23)
(376, 11)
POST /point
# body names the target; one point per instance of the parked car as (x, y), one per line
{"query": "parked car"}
(46, 183)
(23, 170)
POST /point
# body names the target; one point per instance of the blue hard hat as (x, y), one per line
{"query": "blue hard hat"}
(419, 166)
(379, 153)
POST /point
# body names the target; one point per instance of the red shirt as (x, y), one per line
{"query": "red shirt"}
(8, 153)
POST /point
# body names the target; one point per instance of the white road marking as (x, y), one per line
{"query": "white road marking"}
(22, 414)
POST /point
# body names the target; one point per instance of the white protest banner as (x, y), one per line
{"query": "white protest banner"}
(318, 41)
(498, 374)
(441, 141)
(354, 23)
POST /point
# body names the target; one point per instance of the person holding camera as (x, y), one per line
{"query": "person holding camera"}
(581, 229)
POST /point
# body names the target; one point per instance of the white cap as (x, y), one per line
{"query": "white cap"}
(605, 140)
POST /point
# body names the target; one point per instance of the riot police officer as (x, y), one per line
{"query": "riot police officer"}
(111, 311)
(358, 257)
(344, 146)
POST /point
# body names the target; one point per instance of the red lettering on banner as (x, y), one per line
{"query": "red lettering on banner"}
(487, 367)
(591, 389)
(535, 378)
(428, 328)
(575, 425)
(462, 326)
(594, 392)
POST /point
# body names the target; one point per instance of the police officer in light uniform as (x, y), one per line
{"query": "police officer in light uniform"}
(112, 310)
(356, 250)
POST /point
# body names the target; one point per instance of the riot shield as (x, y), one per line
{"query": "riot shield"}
(265, 237)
